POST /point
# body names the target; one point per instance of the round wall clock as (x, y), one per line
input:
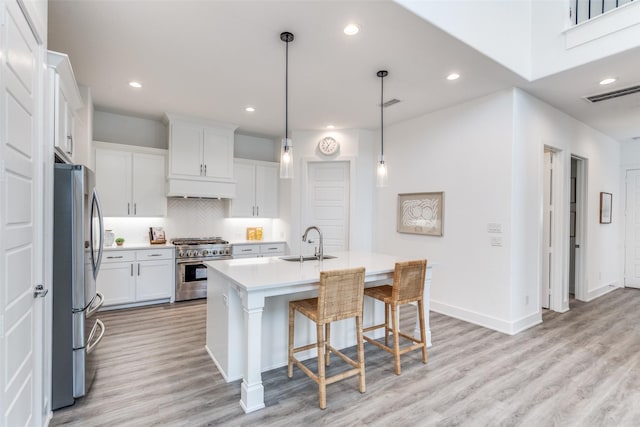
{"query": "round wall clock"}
(328, 145)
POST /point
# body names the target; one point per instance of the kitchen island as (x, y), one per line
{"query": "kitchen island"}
(247, 312)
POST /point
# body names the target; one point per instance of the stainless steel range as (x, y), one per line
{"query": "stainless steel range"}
(191, 273)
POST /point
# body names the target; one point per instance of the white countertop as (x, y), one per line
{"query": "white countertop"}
(272, 272)
(137, 246)
(256, 242)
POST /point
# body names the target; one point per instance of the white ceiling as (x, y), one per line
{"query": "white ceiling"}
(211, 59)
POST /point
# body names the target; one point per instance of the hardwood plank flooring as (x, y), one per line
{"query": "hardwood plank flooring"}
(580, 368)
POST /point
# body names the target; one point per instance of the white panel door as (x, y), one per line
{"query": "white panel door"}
(21, 221)
(218, 153)
(186, 149)
(267, 180)
(244, 204)
(116, 281)
(327, 203)
(154, 279)
(632, 231)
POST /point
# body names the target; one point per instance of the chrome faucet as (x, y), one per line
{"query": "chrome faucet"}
(318, 253)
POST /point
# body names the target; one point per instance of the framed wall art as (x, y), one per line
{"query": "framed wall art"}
(606, 200)
(421, 213)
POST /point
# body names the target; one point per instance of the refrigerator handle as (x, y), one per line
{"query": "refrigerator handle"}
(95, 306)
(91, 344)
(95, 205)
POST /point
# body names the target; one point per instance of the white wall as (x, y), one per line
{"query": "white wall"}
(486, 155)
(539, 124)
(255, 148)
(83, 132)
(356, 146)
(485, 26)
(130, 130)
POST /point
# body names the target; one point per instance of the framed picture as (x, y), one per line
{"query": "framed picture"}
(573, 190)
(421, 213)
(156, 235)
(605, 207)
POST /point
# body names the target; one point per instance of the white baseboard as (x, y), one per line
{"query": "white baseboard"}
(222, 372)
(480, 319)
(604, 289)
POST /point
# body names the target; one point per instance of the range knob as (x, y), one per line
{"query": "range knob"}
(181, 254)
(227, 251)
(214, 252)
(205, 252)
(192, 253)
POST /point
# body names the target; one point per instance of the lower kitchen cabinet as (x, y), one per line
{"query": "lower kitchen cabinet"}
(257, 250)
(136, 277)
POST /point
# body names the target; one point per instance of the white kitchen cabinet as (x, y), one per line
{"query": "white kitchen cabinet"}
(257, 250)
(65, 100)
(136, 277)
(200, 157)
(257, 190)
(130, 180)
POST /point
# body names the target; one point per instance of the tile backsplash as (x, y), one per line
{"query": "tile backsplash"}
(190, 218)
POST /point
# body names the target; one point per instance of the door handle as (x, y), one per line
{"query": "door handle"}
(131, 270)
(138, 269)
(40, 291)
(577, 246)
(257, 210)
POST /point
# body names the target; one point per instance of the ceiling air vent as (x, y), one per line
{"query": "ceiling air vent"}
(390, 102)
(614, 94)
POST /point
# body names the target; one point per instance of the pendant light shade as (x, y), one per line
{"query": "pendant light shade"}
(381, 175)
(286, 151)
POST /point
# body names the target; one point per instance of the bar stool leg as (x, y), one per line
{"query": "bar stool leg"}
(292, 315)
(360, 353)
(396, 337)
(322, 385)
(327, 351)
(423, 335)
(386, 324)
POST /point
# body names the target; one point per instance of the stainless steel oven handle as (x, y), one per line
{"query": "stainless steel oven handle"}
(95, 307)
(92, 345)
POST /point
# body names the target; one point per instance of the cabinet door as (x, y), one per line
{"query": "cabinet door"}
(69, 128)
(243, 205)
(154, 280)
(61, 142)
(116, 281)
(186, 149)
(149, 177)
(113, 181)
(218, 153)
(267, 179)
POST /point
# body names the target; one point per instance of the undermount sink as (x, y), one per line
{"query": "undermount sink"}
(304, 258)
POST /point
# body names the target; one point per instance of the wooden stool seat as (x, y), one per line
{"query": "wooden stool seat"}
(408, 287)
(340, 296)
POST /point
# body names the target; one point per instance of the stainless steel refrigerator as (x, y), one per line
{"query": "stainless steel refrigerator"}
(77, 252)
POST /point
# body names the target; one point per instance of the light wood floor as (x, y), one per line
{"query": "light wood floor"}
(580, 368)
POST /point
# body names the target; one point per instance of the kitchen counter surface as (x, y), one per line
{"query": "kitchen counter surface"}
(247, 312)
(137, 246)
(256, 242)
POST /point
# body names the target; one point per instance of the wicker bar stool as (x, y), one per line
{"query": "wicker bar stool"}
(408, 286)
(340, 296)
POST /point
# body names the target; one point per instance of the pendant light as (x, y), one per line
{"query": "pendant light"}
(286, 152)
(381, 180)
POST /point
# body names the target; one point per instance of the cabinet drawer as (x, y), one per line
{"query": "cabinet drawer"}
(272, 248)
(118, 256)
(154, 254)
(245, 250)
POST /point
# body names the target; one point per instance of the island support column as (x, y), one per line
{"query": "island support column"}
(252, 390)
(427, 299)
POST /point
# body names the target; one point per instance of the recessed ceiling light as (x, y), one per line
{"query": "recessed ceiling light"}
(250, 109)
(351, 30)
(331, 127)
(453, 76)
(135, 84)
(608, 81)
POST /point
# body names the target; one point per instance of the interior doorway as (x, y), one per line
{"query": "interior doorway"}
(632, 230)
(577, 234)
(547, 229)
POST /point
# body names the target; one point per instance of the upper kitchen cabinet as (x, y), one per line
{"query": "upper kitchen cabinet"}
(200, 158)
(130, 180)
(257, 189)
(65, 100)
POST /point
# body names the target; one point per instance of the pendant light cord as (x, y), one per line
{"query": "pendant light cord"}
(286, 95)
(382, 118)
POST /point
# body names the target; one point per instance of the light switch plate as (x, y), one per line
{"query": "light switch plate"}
(494, 227)
(496, 241)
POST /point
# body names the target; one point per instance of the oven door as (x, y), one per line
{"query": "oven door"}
(191, 280)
